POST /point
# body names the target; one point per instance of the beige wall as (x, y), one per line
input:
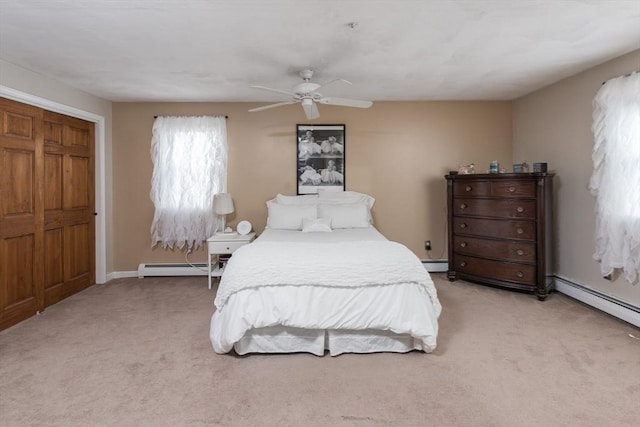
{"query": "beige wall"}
(554, 125)
(396, 151)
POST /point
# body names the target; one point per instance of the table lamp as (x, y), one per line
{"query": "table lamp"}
(223, 205)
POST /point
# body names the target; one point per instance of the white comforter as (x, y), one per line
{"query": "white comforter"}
(363, 285)
(345, 264)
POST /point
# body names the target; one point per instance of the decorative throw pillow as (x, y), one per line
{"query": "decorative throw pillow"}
(322, 225)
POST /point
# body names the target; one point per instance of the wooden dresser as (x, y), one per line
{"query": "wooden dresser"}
(500, 230)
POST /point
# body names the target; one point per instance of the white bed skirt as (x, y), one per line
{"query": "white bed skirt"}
(282, 339)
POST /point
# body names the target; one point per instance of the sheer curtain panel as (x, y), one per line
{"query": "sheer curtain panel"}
(616, 175)
(189, 167)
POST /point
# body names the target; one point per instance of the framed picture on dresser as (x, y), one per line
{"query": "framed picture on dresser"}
(320, 160)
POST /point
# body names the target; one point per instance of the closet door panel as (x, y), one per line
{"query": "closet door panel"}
(21, 212)
(78, 182)
(53, 268)
(69, 220)
(52, 182)
(77, 251)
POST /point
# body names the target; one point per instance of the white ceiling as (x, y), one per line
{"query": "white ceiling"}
(212, 50)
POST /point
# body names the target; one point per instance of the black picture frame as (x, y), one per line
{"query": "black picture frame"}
(320, 159)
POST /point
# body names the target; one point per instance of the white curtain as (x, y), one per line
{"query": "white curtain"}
(189, 167)
(616, 175)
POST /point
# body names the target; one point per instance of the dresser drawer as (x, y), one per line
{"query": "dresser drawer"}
(222, 247)
(513, 188)
(472, 188)
(524, 274)
(507, 250)
(504, 229)
(495, 188)
(496, 208)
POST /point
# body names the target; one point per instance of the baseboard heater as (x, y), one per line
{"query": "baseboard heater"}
(436, 265)
(175, 269)
(184, 269)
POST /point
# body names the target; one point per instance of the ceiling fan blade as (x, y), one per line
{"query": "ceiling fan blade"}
(273, 90)
(344, 102)
(266, 107)
(311, 110)
(334, 81)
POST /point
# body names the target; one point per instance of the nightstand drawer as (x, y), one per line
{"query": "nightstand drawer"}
(222, 247)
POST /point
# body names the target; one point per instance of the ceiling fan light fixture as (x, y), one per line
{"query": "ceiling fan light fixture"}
(306, 94)
(306, 74)
(305, 87)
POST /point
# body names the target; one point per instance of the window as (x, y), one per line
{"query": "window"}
(616, 175)
(189, 167)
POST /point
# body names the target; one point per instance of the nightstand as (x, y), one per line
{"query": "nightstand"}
(220, 244)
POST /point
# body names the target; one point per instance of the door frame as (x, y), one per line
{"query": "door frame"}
(99, 165)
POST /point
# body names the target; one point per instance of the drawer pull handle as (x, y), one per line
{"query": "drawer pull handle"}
(512, 189)
(463, 206)
(463, 244)
(519, 230)
(520, 252)
(463, 264)
(520, 274)
(463, 225)
(467, 188)
(520, 209)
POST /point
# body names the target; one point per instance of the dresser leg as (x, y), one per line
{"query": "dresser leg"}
(542, 295)
(451, 275)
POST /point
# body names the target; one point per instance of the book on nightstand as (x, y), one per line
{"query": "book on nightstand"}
(222, 260)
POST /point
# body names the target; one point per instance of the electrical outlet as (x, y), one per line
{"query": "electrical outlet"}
(427, 245)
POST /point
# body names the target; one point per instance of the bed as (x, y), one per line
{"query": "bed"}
(322, 277)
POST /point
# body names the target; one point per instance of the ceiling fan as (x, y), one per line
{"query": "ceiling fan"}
(306, 94)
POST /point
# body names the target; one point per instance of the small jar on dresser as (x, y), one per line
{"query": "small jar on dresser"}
(499, 230)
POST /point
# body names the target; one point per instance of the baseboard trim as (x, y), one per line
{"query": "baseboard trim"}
(611, 305)
(436, 265)
(121, 275)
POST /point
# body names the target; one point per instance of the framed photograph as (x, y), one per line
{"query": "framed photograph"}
(320, 159)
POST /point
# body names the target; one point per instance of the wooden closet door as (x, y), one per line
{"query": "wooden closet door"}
(69, 233)
(21, 212)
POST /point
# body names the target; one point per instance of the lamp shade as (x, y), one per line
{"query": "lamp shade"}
(222, 203)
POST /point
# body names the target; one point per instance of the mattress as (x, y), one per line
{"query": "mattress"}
(392, 318)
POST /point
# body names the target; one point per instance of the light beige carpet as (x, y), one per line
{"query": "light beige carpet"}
(135, 352)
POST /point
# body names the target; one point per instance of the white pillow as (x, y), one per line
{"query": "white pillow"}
(316, 225)
(347, 215)
(289, 217)
(307, 199)
(347, 197)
